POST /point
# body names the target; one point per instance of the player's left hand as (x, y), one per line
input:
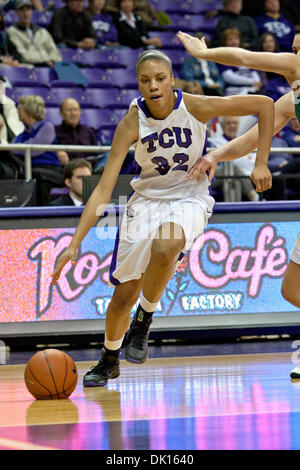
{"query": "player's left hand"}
(262, 178)
(204, 164)
(194, 46)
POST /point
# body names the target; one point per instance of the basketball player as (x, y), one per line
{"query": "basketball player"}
(167, 211)
(286, 107)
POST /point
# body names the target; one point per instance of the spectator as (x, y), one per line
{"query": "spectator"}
(74, 171)
(280, 164)
(33, 43)
(291, 135)
(274, 22)
(193, 87)
(239, 80)
(8, 52)
(71, 26)
(103, 24)
(11, 5)
(274, 85)
(142, 8)
(232, 18)
(132, 31)
(10, 126)
(45, 164)
(71, 132)
(242, 166)
(206, 73)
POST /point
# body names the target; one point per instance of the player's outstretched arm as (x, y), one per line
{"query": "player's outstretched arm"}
(245, 144)
(282, 63)
(126, 133)
(205, 108)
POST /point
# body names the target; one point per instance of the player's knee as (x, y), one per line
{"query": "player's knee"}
(289, 294)
(165, 252)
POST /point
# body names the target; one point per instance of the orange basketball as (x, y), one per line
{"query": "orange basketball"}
(50, 374)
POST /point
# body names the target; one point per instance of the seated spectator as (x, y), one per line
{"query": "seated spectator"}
(71, 132)
(103, 24)
(71, 26)
(274, 85)
(33, 43)
(193, 87)
(10, 126)
(242, 166)
(291, 135)
(8, 52)
(238, 80)
(274, 22)
(205, 72)
(7, 5)
(132, 31)
(74, 171)
(45, 164)
(142, 8)
(232, 18)
(280, 164)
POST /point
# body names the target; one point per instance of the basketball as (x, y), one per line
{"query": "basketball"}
(50, 374)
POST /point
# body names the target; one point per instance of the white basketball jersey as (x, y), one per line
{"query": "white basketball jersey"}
(166, 150)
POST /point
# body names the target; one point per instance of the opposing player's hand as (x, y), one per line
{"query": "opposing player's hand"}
(196, 47)
(68, 255)
(204, 164)
(262, 178)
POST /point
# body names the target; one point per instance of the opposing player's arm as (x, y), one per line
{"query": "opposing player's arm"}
(282, 63)
(205, 108)
(246, 143)
(126, 133)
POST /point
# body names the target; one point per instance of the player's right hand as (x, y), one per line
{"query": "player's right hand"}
(68, 255)
(204, 164)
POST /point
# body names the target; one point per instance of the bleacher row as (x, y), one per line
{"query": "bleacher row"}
(103, 69)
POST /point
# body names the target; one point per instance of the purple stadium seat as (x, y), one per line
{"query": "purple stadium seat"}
(197, 23)
(98, 58)
(44, 92)
(57, 95)
(97, 78)
(119, 113)
(126, 96)
(127, 57)
(177, 57)
(69, 55)
(168, 39)
(41, 18)
(171, 6)
(107, 78)
(20, 76)
(105, 136)
(53, 115)
(101, 98)
(96, 118)
(196, 7)
(10, 17)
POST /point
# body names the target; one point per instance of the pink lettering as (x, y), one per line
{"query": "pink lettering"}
(73, 279)
(267, 258)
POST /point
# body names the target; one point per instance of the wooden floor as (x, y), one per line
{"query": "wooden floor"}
(214, 402)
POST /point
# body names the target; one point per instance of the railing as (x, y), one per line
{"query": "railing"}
(229, 189)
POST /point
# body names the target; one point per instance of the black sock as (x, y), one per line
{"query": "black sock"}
(110, 352)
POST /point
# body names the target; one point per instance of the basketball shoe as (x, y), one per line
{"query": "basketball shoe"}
(295, 373)
(136, 347)
(107, 368)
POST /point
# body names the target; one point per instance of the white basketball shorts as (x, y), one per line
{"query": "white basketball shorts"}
(295, 256)
(139, 227)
